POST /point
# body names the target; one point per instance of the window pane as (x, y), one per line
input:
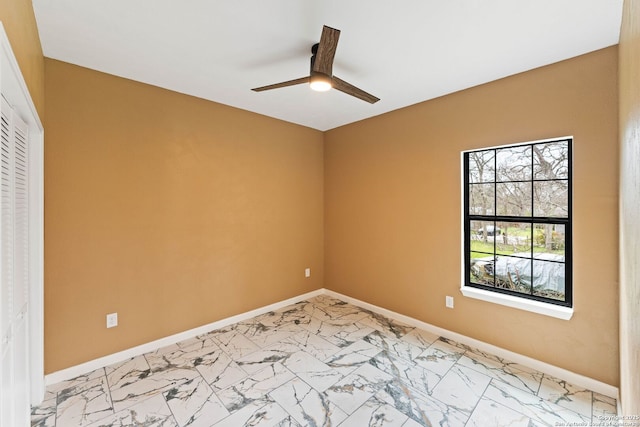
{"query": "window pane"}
(482, 234)
(513, 273)
(514, 163)
(549, 279)
(514, 240)
(514, 198)
(482, 199)
(549, 242)
(551, 198)
(482, 166)
(481, 268)
(551, 160)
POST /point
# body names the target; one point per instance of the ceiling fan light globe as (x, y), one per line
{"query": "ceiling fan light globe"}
(320, 85)
(320, 82)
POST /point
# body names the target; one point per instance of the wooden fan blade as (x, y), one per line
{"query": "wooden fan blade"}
(326, 51)
(350, 89)
(283, 84)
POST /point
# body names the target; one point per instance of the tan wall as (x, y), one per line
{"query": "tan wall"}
(393, 217)
(630, 208)
(170, 210)
(20, 24)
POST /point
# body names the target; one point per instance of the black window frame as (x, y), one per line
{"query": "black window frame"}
(567, 222)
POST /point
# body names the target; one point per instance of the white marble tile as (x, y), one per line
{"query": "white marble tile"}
(603, 407)
(517, 375)
(150, 412)
(411, 423)
(258, 360)
(341, 335)
(185, 354)
(194, 404)
(127, 372)
(405, 372)
(534, 407)
(313, 344)
(461, 388)
(168, 349)
(195, 343)
(399, 348)
(439, 357)
(491, 414)
(84, 403)
(389, 327)
(420, 338)
(307, 406)
(234, 343)
(93, 375)
(288, 422)
(475, 351)
(321, 300)
(375, 413)
(457, 344)
(132, 381)
(358, 387)
(219, 370)
(337, 312)
(258, 413)
(264, 335)
(321, 362)
(44, 415)
(350, 358)
(420, 407)
(292, 314)
(317, 374)
(567, 395)
(255, 387)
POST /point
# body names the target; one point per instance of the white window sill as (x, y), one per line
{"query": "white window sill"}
(543, 308)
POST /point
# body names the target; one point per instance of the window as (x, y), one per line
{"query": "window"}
(517, 221)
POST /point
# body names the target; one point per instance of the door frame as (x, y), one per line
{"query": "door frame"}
(14, 88)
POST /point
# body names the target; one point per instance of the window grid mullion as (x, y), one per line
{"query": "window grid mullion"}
(495, 212)
(533, 211)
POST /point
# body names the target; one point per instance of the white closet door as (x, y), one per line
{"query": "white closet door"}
(14, 269)
(21, 270)
(6, 262)
(21, 215)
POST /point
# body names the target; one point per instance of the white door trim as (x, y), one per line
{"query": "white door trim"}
(14, 89)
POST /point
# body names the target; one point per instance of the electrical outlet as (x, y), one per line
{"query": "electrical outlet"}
(307, 272)
(112, 320)
(449, 302)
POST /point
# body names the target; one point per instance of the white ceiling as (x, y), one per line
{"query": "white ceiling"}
(403, 52)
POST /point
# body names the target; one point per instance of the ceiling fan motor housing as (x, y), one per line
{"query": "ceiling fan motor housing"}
(316, 75)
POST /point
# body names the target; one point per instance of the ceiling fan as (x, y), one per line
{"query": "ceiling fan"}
(321, 76)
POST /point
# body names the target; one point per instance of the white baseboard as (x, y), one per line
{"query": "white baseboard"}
(545, 368)
(571, 377)
(101, 362)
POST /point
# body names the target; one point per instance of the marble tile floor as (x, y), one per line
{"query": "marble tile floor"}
(321, 362)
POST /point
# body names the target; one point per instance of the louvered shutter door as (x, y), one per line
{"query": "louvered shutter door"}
(21, 271)
(21, 217)
(21, 246)
(14, 268)
(6, 263)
